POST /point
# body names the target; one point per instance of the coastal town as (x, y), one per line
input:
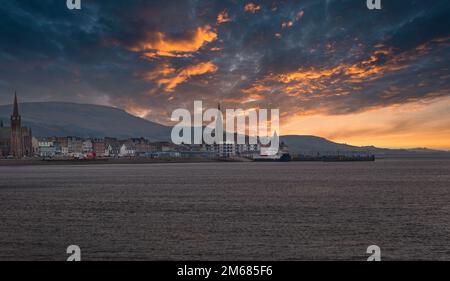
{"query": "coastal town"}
(17, 142)
(19, 146)
(92, 148)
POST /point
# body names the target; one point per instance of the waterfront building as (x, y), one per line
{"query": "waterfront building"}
(229, 149)
(63, 145)
(74, 145)
(46, 148)
(15, 141)
(112, 146)
(143, 146)
(113, 150)
(5, 140)
(35, 145)
(127, 150)
(87, 146)
(99, 147)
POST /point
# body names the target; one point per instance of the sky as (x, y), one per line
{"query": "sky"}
(334, 68)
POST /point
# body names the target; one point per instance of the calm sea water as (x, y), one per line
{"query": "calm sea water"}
(227, 211)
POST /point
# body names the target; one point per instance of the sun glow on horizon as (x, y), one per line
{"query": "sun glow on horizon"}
(409, 125)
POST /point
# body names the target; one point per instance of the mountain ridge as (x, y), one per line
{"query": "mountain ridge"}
(84, 120)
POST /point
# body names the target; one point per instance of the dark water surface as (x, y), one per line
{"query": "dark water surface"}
(231, 211)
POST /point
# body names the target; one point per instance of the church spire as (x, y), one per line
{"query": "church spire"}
(16, 106)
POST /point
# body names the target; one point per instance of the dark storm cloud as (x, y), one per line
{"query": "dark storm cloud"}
(150, 57)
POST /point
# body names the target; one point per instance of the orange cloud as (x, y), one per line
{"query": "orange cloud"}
(162, 70)
(159, 44)
(290, 23)
(249, 97)
(223, 17)
(299, 15)
(252, 8)
(287, 24)
(168, 78)
(334, 80)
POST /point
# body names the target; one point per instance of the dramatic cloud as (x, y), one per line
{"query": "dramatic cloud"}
(170, 79)
(252, 8)
(159, 44)
(223, 17)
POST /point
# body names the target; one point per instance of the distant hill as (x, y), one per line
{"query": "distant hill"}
(71, 119)
(84, 120)
(309, 144)
(312, 144)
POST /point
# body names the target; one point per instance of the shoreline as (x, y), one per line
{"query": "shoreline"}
(111, 161)
(138, 161)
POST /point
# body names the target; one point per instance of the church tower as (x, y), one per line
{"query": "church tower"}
(16, 132)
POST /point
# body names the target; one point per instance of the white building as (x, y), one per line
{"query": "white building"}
(230, 149)
(127, 150)
(74, 145)
(87, 146)
(46, 148)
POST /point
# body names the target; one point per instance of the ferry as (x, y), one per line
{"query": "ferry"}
(279, 157)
